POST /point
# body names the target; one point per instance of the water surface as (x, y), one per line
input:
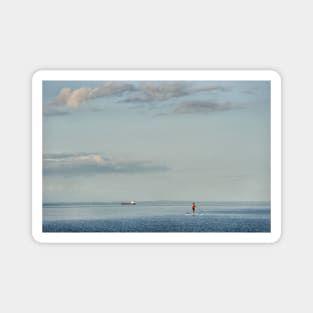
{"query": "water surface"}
(157, 216)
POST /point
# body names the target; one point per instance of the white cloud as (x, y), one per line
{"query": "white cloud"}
(81, 164)
(74, 97)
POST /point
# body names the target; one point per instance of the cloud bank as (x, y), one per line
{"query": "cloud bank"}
(85, 164)
(149, 94)
(74, 97)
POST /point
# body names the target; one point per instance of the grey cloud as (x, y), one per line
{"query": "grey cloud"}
(204, 88)
(85, 164)
(50, 114)
(51, 111)
(202, 107)
(161, 91)
(164, 91)
(72, 98)
(157, 91)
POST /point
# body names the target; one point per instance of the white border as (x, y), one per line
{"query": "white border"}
(276, 148)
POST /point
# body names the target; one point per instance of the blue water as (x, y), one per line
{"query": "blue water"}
(157, 216)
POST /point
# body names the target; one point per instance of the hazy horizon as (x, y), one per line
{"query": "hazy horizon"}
(160, 201)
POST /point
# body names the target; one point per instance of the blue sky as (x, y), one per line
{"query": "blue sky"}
(156, 140)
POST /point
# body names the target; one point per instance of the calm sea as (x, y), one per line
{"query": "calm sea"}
(157, 216)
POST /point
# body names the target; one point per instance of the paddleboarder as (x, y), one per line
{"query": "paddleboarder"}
(193, 207)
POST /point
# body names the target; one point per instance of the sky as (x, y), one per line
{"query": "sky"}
(156, 140)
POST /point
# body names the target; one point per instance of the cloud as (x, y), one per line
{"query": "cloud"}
(145, 92)
(85, 164)
(203, 88)
(51, 111)
(165, 90)
(157, 91)
(72, 98)
(199, 106)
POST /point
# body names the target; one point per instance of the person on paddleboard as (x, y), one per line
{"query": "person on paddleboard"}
(193, 207)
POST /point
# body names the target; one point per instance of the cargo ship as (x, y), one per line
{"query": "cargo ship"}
(129, 203)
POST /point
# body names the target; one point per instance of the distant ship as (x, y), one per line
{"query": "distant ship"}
(129, 202)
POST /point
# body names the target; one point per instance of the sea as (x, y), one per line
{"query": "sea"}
(157, 216)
